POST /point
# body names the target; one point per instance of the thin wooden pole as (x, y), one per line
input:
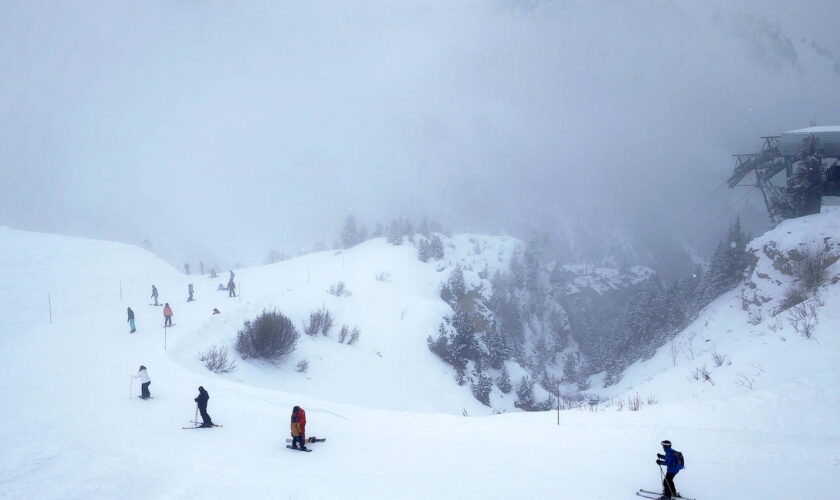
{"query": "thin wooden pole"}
(49, 303)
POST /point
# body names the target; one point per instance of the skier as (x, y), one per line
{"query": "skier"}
(187, 268)
(298, 427)
(145, 382)
(670, 460)
(155, 294)
(201, 400)
(213, 272)
(131, 320)
(167, 314)
(231, 288)
(190, 291)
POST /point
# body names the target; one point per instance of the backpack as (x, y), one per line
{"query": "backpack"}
(679, 461)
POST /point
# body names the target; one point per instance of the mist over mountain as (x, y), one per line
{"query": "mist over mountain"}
(218, 131)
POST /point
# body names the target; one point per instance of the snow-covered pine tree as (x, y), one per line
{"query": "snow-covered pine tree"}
(349, 234)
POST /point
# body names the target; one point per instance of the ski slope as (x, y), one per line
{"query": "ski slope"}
(393, 417)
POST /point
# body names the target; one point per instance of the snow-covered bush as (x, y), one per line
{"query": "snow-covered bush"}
(271, 335)
(720, 359)
(302, 366)
(320, 321)
(525, 393)
(217, 360)
(343, 333)
(383, 276)
(339, 289)
(804, 318)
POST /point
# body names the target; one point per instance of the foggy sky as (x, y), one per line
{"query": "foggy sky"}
(222, 129)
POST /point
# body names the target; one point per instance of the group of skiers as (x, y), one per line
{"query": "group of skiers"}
(167, 309)
(297, 425)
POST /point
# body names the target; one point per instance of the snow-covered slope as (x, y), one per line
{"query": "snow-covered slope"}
(70, 428)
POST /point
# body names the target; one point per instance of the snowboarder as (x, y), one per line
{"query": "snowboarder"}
(167, 314)
(672, 459)
(145, 382)
(216, 311)
(187, 268)
(201, 400)
(298, 426)
(131, 320)
(231, 288)
(201, 267)
(155, 294)
(190, 291)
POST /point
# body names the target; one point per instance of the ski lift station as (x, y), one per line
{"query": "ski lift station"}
(783, 153)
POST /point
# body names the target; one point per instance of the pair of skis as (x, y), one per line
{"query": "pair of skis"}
(655, 495)
(199, 425)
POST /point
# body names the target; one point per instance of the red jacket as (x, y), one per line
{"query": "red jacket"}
(167, 311)
(299, 417)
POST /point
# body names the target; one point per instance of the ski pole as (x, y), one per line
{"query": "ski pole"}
(195, 420)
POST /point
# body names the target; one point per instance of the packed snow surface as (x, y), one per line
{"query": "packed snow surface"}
(393, 417)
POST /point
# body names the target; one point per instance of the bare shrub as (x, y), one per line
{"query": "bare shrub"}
(302, 366)
(354, 336)
(804, 318)
(651, 400)
(217, 360)
(320, 321)
(688, 347)
(810, 271)
(619, 404)
(793, 295)
(745, 381)
(339, 289)
(634, 403)
(702, 374)
(720, 359)
(673, 351)
(271, 335)
(383, 276)
(343, 333)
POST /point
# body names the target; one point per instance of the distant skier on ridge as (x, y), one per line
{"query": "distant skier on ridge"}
(155, 294)
(231, 288)
(190, 291)
(187, 268)
(167, 315)
(131, 320)
(675, 463)
(201, 401)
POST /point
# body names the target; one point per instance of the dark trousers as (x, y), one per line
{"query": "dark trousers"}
(155, 297)
(144, 390)
(191, 297)
(168, 321)
(205, 416)
(668, 488)
(232, 292)
(298, 439)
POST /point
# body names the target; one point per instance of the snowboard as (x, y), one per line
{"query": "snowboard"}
(156, 305)
(168, 326)
(202, 427)
(141, 397)
(310, 440)
(298, 449)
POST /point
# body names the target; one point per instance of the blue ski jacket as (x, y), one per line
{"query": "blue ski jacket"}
(670, 461)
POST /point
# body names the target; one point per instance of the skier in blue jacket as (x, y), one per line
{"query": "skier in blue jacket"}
(669, 459)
